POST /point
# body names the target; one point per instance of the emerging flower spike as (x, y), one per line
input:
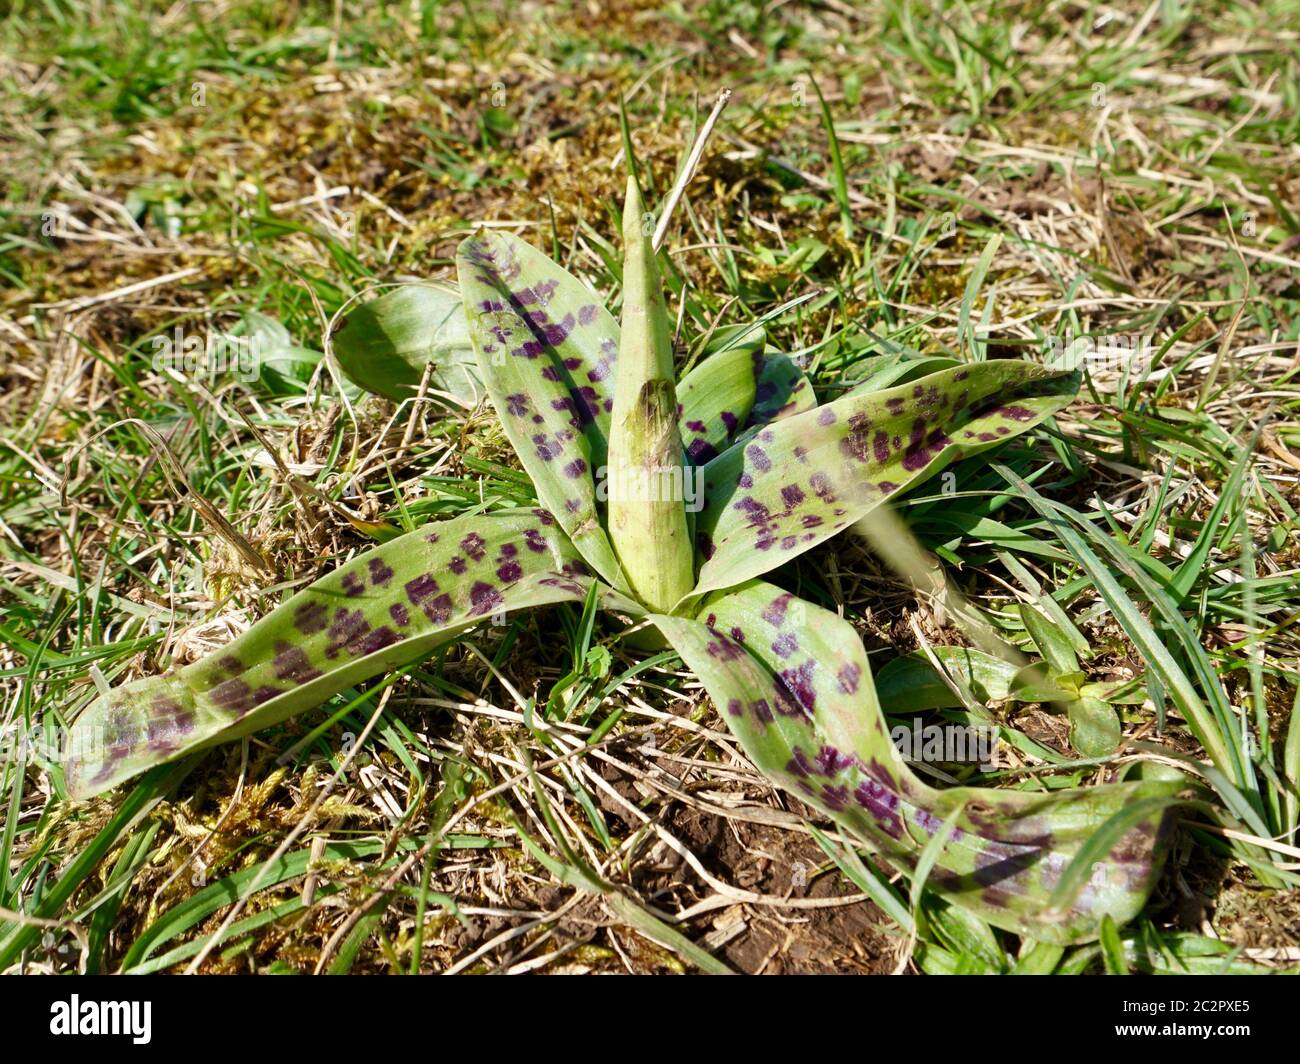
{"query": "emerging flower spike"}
(647, 513)
(587, 407)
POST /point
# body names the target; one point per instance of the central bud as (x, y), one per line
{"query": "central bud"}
(647, 503)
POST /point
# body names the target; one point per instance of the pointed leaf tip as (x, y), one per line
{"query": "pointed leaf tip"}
(633, 213)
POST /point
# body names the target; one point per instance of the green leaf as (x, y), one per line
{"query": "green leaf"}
(911, 684)
(805, 478)
(1094, 727)
(986, 529)
(1032, 684)
(135, 805)
(1184, 953)
(283, 367)
(737, 390)
(384, 345)
(546, 350)
(966, 333)
(1075, 639)
(1052, 642)
(376, 613)
(1193, 565)
(1112, 949)
(839, 179)
(885, 371)
(1038, 958)
(190, 913)
(793, 683)
(969, 937)
(1116, 692)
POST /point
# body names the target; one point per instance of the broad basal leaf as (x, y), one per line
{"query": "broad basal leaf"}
(736, 391)
(386, 344)
(546, 352)
(793, 683)
(382, 610)
(1094, 727)
(805, 478)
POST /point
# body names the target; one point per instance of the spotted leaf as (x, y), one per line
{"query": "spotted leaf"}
(793, 683)
(380, 611)
(546, 352)
(735, 391)
(807, 477)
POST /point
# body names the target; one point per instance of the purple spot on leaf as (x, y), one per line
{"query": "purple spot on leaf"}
(311, 617)
(483, 598)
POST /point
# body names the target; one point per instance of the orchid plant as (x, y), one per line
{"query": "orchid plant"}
(668, 500)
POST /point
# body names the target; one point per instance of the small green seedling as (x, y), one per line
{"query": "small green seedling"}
(913, 684)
